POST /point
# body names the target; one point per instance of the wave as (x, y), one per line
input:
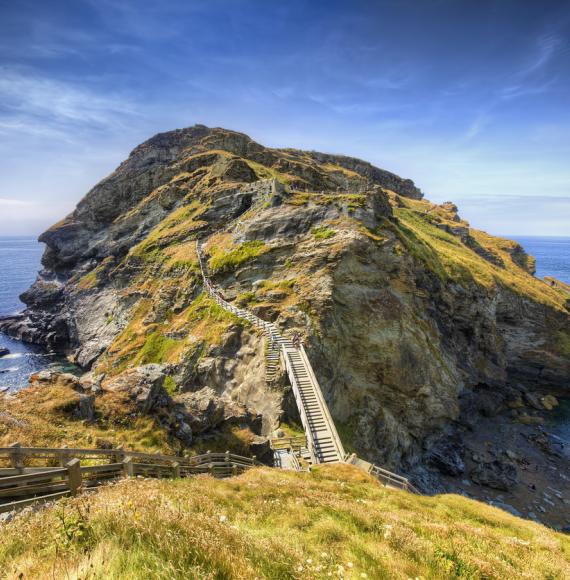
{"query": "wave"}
(14, 355)
(9, 370)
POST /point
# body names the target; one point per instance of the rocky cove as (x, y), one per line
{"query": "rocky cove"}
(440, 355)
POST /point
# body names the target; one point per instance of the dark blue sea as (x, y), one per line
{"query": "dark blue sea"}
(19, 264)
(552, 255)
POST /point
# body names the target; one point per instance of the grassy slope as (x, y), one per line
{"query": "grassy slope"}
(445, 254)
(334, 522)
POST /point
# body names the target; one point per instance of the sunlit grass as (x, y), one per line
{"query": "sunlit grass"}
(335, 522)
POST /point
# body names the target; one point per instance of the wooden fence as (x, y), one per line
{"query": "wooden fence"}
(36, 474)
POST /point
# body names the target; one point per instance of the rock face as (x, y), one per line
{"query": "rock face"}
(415, 323)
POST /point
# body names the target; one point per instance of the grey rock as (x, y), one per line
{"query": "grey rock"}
(261, 448)
(496, 474)
(87, 407)
(4, 351)
(184, 433)
(507, 507)
(144, 385)
(447, 456)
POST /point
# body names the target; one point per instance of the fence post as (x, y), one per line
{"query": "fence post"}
(119, 455)
(176, 469)
(17, 457)
(128, 470)
(74, 475)
(63, 457)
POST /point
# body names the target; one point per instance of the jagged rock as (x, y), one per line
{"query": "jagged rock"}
(496, 474)
(447, 457)
(426, 480)
(144, 385)
(533, 401)
(184, 433)
(205, 410)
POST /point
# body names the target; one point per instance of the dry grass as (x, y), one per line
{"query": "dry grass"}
(335, 522)
(43, 415)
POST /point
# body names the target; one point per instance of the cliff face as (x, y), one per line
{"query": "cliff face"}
(414, 322)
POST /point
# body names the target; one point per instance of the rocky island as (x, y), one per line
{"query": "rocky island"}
(438, 351)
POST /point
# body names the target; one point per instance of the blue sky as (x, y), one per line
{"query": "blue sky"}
(468, 98)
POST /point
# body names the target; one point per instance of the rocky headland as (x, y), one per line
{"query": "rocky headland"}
(438, 351)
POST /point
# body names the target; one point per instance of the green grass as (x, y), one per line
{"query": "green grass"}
(323, 232)
(170, 386)
(156, 349)
(335, 522)
(224, 260)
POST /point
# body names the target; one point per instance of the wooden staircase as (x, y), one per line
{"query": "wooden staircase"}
(323, 442)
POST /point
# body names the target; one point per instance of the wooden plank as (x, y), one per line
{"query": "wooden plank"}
(105, 468)
(33, 477)
(15, 505)
(29, 490)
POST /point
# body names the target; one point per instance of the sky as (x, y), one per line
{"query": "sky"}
(469, 98)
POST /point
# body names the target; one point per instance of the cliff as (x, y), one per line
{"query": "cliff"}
(417, 325)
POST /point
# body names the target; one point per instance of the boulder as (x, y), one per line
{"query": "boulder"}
(144, 385)
(496, 474)
(533, 401)
(183, 432)
(205, 409)
(4, 351)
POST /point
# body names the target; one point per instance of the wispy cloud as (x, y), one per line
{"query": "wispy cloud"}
(32, 103)
(548, 45)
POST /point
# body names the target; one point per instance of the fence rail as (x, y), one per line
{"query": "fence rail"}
(43, 483)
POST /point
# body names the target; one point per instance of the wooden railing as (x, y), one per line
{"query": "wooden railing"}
(32, 482)
(384, 476)
(293, 443)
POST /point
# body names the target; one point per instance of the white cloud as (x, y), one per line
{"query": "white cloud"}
(32, 103)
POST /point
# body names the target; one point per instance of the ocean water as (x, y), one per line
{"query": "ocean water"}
(552, 255)
(19, 264)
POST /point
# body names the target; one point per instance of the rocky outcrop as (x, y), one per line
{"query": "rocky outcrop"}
(418, 326)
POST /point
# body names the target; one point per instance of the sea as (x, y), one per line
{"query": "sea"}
(20, 262)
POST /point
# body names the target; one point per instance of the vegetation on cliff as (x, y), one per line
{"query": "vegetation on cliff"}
(416, 324)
